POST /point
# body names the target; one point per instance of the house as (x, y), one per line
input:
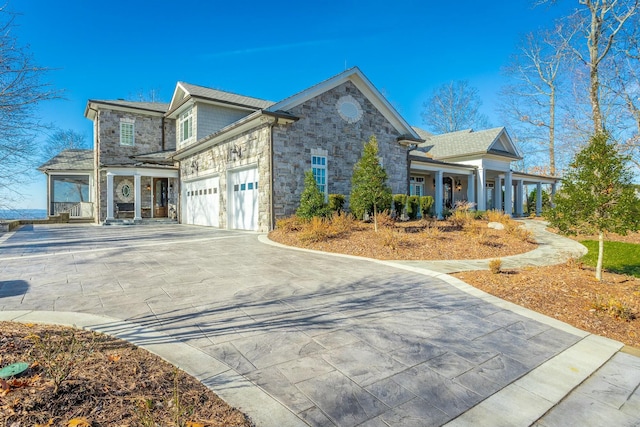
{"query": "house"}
(219, 159)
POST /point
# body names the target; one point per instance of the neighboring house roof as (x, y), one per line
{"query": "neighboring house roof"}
(69, 160)
(365, 86)
(185, 91)
(469, 142)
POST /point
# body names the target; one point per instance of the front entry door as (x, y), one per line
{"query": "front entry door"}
(160, 188)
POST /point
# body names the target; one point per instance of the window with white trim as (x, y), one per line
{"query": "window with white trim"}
(185, 125)
(319, 169)
(127, 132)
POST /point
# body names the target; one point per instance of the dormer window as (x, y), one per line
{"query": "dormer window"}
(185, 125)
(127, 132)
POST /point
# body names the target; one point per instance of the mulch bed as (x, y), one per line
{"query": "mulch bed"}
(415, 241)
(110, 383)
(570, 293)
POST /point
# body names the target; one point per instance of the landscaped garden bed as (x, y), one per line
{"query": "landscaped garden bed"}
(454, 238)
(83, 379)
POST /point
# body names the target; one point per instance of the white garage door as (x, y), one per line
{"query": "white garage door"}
(243, 194)
(202, 202)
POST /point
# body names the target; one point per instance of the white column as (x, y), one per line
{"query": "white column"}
(519, 197)
(497, 194)
(438, 194)
(538, 199)
(508, 193)
(137, 198)
(471, 198)
(481, 185)
(553, 195)
(109, 195)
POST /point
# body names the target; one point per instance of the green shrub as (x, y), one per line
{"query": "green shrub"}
(399, 202)
(312, 199)
(413, 206)
(479, 214)
(531, 201)
(336, 202)
(426, 202)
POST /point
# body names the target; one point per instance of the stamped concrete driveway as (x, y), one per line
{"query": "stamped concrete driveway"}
(333, 340)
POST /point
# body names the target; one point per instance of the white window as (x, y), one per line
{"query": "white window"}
(319, 168)
(127, 132)
(185, 125)
(417, 186)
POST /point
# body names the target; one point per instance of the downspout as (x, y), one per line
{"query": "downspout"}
(163, 136)
(272, 209)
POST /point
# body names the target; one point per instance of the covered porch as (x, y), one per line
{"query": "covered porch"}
(485, 188)
(137, 193)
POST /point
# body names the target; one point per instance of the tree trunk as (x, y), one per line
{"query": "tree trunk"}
(375, 218)
(552, 131)
(600, 255)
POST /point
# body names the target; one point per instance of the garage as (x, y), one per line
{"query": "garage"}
(243, 195)
(201, 201)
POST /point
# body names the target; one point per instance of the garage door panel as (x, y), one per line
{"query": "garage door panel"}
(202, 202)
(244, 197)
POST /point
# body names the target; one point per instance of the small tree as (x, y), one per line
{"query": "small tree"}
(597, 195)
(312, 199)
(369, 190)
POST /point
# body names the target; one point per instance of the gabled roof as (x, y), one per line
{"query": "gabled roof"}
(69, 160)
(185, 91)
(365, 86)
(468, 143)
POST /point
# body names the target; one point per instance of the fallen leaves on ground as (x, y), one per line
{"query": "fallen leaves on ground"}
(105, 387)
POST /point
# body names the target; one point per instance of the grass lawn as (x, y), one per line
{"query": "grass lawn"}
(619, 257)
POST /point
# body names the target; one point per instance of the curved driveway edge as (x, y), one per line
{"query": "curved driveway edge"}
(232, 387)
(298, 338)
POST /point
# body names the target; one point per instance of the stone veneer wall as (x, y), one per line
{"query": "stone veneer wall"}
(321, 128)
(148, 139)
(216, 161)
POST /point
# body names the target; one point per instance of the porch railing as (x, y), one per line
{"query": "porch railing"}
(75, 209)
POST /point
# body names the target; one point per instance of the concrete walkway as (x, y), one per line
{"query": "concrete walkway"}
(552, 249)
(295, 338)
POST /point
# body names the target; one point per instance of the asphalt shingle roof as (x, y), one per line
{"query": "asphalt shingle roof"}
(228, 97)
(74, 159)
(461, 143)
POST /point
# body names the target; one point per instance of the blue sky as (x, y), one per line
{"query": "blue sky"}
(268, 50)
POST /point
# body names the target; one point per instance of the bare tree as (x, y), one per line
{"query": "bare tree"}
(21, 89)
(601, 21)
(63, 139)
(452, 107)
(532, 95)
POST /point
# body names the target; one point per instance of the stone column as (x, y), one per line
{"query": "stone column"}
(519, 197)
(109, 195)
(497, 193)
(137, 198)
(439, 194)
(538, 199)
(471, 194)
(481, 185)
(508, 193)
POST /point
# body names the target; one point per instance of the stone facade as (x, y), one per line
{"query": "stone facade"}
(217, 161)
(322, 128)
(152, 133)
